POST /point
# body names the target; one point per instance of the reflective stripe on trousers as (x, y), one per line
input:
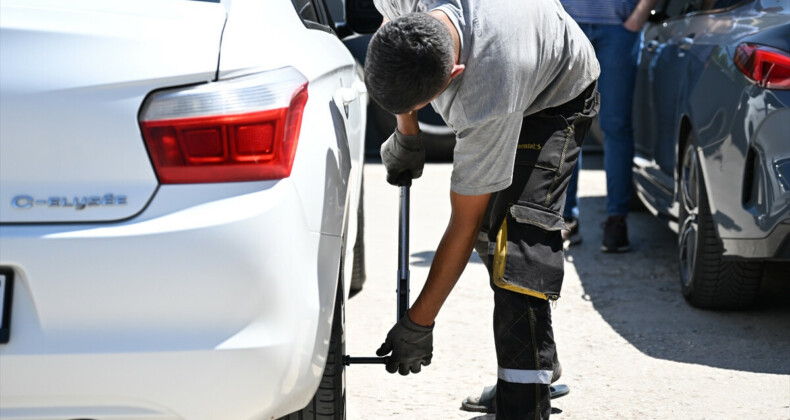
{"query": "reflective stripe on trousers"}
(524, 376)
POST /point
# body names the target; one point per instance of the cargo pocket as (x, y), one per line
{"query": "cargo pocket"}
(528, 251)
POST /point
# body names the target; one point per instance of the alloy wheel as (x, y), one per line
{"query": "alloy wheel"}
(689, 226)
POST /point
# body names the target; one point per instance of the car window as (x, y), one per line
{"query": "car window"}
(719, 4)
(336, 10)
(674, 8)
(306, 10)
(314, 14)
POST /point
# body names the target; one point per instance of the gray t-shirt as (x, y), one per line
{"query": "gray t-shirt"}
(520, 58)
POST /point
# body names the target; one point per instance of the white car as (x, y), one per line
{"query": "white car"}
(179, 194)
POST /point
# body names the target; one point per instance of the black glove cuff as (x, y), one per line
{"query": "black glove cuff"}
(408, 324)
(409, 142)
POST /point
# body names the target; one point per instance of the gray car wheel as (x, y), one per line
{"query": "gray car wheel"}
(708, 280)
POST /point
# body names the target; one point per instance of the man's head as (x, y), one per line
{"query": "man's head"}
(410, 61)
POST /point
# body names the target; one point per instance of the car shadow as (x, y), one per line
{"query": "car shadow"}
(554, 410)
(639, 295)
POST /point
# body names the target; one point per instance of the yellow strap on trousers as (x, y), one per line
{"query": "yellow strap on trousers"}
(500, 257)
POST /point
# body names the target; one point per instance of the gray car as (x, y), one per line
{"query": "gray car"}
(712, 132)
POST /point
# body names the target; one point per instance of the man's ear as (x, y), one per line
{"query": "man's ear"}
(456, 71)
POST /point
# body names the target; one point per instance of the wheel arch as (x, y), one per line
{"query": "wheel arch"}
(684, 131)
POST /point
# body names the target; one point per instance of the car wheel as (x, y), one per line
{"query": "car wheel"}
(708, 280)
(329, 401)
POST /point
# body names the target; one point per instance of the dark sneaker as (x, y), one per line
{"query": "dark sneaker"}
(615, 235)
(571, 236)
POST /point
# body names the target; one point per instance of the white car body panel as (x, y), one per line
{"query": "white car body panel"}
(228, 309)
(249, 46)
(82, 70)
(202, 301)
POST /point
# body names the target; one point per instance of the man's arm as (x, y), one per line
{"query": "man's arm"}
(638, 17)
(451, 256)
(407, 123)
(411, 339)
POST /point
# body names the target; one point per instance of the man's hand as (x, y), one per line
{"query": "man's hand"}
(403, 156)
(411, 346)
(639, 15)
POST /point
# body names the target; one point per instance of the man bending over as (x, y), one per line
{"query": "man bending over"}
(516, 81)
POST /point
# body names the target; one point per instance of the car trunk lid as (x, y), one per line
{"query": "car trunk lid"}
(72, 79)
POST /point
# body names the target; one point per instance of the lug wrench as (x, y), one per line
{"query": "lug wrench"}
(403, 269)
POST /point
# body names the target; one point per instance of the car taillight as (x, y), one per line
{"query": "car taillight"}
(241, 129)
(765, 66)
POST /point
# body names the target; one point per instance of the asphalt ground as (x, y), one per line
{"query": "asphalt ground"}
(630, 346)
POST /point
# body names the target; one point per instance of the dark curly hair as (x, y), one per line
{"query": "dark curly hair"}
(409, 62)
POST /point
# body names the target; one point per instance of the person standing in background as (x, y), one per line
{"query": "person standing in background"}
(612, 27)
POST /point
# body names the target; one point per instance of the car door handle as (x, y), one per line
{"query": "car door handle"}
(344, 96)
(651, 46)
(360, 87)
(684, 45)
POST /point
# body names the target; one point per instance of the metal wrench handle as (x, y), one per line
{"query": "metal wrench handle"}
(403, 270)
(403, 252)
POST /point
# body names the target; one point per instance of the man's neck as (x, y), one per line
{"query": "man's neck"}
(438, 14)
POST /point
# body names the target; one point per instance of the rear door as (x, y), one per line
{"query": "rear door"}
(72, 78)
(660, 79)
(675, 49)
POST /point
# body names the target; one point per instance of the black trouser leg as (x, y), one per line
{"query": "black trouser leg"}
(524, 255)
(526, 355)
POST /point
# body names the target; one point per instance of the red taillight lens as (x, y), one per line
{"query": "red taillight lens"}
(242, 129)
(765, 66)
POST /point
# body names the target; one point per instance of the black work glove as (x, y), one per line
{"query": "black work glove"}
(403, 156)
(411, 346)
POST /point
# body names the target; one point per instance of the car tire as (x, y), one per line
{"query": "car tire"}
(358, 265)
(707, 279)
(329, 401)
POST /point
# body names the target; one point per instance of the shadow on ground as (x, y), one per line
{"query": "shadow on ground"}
(639, 295)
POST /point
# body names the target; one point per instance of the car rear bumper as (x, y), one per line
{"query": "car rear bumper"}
(775, 246)
(748, 190)
(219, 309)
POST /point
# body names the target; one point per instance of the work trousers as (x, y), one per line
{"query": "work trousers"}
(521, 246)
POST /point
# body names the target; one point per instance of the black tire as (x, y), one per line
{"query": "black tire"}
(358, 276)
(708, 281)
(329, 401)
